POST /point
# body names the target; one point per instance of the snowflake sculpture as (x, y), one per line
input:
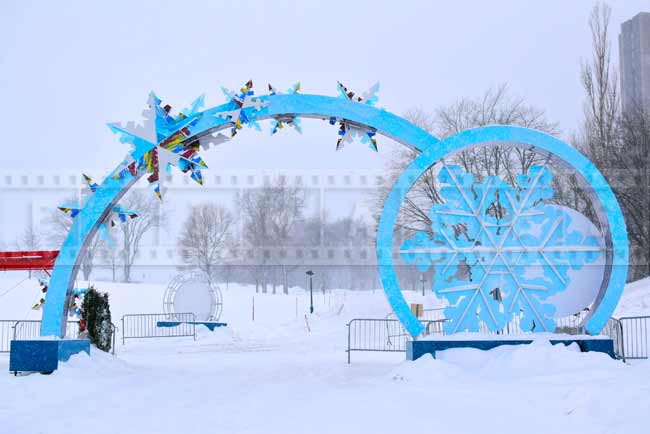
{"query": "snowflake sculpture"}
(161, 142)
(499, 251)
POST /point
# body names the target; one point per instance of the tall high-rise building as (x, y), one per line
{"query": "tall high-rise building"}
(634, 49)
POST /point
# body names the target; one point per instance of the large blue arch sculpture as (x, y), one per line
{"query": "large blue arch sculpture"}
(605, 202)
(200, 125)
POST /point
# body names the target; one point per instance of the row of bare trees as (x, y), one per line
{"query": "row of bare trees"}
(126, 238)
(267, 217)
(206, 234)
(495, 107)
(617, 141)
(215, 240)
(269, 221)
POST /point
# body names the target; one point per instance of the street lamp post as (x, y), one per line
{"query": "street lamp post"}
(311, 291)
(422, 279)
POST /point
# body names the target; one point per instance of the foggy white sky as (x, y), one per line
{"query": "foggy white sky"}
(67, 68)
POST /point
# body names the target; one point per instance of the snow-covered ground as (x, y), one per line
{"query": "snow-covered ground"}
(635, 300)
(275, 375)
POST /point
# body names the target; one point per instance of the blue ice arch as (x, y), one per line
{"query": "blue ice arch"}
(201, 125)
(604, 202)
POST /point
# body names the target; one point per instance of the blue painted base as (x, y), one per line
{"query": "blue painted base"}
(209, 324)
(43, 356)
(416, 349)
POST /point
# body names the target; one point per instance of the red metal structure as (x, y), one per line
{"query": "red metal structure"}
(36, 260)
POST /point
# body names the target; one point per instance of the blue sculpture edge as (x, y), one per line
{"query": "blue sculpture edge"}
(416, 349)
(44, 355)
(390, 125)
(112, 189)
(608, 297)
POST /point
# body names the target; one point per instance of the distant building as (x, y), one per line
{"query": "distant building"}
(634, 49)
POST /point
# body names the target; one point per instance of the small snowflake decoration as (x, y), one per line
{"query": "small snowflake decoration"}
(349, 131)
(498, 251)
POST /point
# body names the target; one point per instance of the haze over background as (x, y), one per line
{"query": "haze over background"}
(68, 68)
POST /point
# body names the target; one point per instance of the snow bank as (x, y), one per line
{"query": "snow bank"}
(506, 362)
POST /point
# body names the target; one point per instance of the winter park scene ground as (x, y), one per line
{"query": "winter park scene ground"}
(464, 248)
(273, 375)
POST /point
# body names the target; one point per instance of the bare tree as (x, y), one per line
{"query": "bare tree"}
(617, 142)
(111, 257)
(254, 206)
(30, 240)
(59, 225)
(288, 205)
(495, 107)
(204, 235)
(598, 136)
(347, 232)
(133, 230)
(269, 214)
(421, 118)
(414, 215)
(227, 272)
(631, 180)
(600, 81)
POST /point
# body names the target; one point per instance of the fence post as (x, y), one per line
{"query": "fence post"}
(253, 310)
(348, 326)
(15, 327)
(635, 337)
(114, 332)
(621, 339)
(146, 326)
(194, 325)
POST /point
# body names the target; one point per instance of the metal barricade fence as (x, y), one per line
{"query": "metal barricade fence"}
(158, 325)
(614, 330)
(630, 334)
(383, 335)
(569, 324)
(433, 327)
(634, 330)
(28, 329)
(6, 334)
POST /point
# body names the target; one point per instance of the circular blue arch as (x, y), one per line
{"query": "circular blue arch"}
(606, 207)
(111, 190)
